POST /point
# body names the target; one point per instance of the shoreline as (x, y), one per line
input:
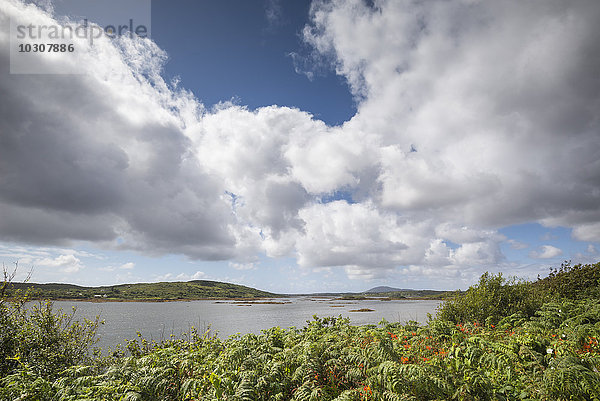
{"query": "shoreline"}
(149, 300)
(265, 300)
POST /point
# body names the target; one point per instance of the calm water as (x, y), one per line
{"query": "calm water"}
(158, 320)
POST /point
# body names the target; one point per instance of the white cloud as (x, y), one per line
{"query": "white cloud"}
(86, 186)
(124, 266)
(167, 277)
(546, 252)
(63, 263)
(242, 266)
(471, 116)
(199, 275)
(587, 232)
(342, 234)
(127, 266)
(492, 139)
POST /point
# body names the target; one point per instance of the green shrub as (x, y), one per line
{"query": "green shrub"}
(36, 337)
(492, 299)
(573, 282)
(552, 353)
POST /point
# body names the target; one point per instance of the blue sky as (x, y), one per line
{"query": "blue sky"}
(306, 146)
(234, 50)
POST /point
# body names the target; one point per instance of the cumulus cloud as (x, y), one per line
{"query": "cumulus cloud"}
(481, 105)
(103, 154)
(63, 263)
(546, 252)
(336, 230)
(472, 116)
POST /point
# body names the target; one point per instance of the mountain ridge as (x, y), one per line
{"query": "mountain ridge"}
(192, 290)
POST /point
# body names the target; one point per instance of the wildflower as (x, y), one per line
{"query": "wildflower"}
(549, 350)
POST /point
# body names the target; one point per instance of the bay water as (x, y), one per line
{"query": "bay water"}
(160, 320)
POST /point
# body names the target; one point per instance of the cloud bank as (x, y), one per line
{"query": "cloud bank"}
(472, 116)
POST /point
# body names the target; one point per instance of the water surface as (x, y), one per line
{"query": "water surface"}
(158, 320)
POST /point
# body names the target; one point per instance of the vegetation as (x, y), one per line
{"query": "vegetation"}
(492, 299)
(499, 340)
(413, 294)
(37, 339)
(397, 293)
(164, 291)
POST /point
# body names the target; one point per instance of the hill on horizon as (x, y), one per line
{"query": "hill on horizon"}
(161, 291)
(385, 288)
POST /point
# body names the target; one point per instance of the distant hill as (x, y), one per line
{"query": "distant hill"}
(163, 291)
(196, 289)
(400, 293)
(384, 288)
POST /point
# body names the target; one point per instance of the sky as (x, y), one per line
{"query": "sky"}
(305, 146)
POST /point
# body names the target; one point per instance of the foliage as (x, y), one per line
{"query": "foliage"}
(552, 356)
(37, 340)
(575, 282)
(422, 294)
(503, 352)
(494, 297)
(491, 299)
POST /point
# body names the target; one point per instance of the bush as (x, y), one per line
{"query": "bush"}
(491, 299)
(572, 282)
(38, 338)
